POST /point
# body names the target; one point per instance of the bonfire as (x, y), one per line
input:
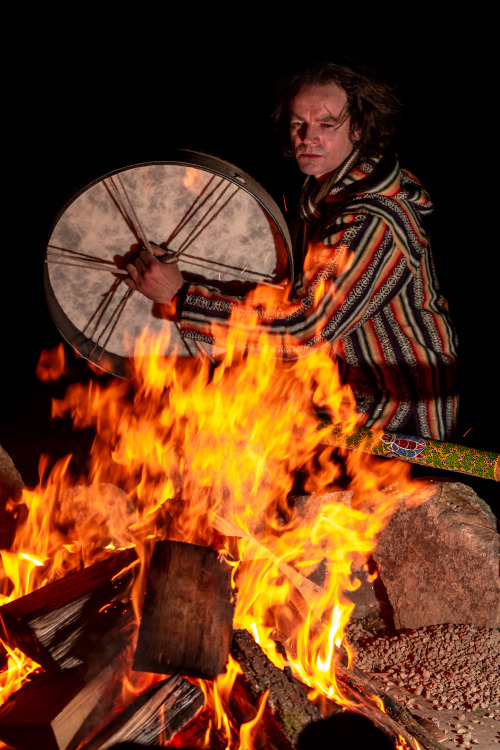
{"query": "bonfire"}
(212, 456)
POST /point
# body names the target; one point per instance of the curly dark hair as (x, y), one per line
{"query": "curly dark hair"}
(373, 107)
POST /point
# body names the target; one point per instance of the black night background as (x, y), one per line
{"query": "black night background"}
(83, 100)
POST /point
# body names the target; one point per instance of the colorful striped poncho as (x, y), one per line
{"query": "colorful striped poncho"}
(368, 289)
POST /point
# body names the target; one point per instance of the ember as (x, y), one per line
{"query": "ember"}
(208, 457)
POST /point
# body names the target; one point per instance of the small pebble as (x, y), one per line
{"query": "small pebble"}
(453, 666)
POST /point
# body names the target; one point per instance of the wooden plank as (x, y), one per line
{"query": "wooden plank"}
(187, 618)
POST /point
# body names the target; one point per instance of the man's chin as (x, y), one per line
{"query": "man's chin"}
(311, 165)
(309, 168)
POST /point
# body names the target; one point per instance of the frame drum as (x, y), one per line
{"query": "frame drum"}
(218, 222)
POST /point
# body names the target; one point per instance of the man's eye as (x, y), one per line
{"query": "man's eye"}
(295, 124)
(327, 125)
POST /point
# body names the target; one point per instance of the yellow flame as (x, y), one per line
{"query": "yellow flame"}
(247, 730)
(187, 452)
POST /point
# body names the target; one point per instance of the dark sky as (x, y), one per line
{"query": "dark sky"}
(89, 102)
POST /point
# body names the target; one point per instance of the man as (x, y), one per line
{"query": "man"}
(368, 287)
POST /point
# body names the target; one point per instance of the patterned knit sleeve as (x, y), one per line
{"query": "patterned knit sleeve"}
(346, 278)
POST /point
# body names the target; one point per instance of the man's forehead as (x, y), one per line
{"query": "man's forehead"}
(326, 100)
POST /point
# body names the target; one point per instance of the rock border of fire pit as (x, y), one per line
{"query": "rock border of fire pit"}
(439, 558)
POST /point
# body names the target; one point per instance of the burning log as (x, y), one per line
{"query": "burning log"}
(293, 711)
(50, 710)
(187, 618)
(417, 450)
(56, 625)
(395, 719)
(311, 593)
(287, 703)
(157, 713)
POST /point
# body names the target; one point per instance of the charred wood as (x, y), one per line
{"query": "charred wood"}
(50, 709)
(193, 735)
(187, 617)
(154, 717)
(287, 702)
(56, 625)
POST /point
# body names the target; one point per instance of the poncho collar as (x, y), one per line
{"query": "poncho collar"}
(374, 185)
(354, 176)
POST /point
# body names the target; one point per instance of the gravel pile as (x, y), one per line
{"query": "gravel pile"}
(451, 666)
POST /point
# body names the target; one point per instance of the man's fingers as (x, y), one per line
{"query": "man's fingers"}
(140, 266)
(152, 278)
(146, 257)
(158, 251)
(132, 271)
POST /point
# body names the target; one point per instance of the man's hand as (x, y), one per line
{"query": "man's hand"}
(157, 281)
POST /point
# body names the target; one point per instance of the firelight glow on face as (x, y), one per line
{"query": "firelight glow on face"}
(319, 129)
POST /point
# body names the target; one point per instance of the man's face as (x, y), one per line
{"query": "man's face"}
(319, 129)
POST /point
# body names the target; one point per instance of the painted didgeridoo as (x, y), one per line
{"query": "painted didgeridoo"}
(417, 450)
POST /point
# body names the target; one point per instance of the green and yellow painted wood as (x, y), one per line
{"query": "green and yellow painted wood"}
(439, 455)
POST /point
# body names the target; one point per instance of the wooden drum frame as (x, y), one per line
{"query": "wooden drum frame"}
(217, 221)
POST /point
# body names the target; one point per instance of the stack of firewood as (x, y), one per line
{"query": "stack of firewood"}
(83, 632)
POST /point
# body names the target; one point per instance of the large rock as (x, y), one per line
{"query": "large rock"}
(11, 487)
(439, 560)
(11, 482)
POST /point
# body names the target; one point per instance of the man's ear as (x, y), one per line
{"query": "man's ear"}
(355, 137)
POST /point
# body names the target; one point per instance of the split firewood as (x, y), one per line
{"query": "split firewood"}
(56, 625)
(50, 709)
(157, 714)
(310, 591)
(187, 618)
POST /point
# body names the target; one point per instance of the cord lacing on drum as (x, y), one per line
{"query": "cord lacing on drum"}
(120, 196)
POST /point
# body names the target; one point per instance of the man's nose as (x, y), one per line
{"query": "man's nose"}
(308, 133)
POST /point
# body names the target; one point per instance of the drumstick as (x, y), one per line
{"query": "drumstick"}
(209, 264)
(103, 266)
(93, 267)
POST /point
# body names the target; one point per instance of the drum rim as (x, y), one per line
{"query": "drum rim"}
(85, 347)
(203, 161)
(117, 364)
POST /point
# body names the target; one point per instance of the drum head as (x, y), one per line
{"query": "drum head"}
(221, 223)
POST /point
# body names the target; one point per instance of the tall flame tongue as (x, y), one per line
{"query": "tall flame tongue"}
(209, 455)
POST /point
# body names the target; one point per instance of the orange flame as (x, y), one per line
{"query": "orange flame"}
(51, 364)
(18, 669)
(247, 730)
(186, 452)
(193, 179)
